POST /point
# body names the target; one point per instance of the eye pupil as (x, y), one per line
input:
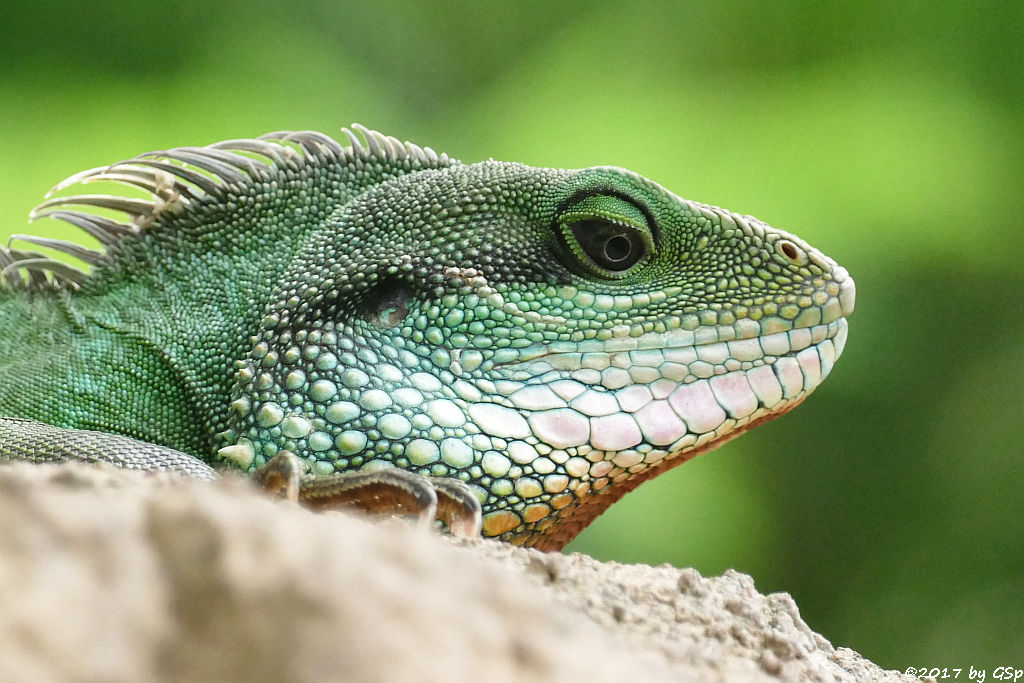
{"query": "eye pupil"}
(617, 248)
(610, 246)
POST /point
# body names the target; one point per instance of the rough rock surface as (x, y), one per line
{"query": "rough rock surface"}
(116, 576)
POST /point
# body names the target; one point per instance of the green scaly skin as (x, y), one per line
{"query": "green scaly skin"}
(550, 337)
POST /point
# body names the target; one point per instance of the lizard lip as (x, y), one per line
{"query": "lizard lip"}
(746, 341)
(748, 349)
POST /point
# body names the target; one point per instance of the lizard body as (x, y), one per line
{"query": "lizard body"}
(549, 337)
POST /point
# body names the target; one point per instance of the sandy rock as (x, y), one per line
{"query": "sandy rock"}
(116, 576)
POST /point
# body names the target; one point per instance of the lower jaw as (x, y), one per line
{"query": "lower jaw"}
(774, 392)
(556, 531)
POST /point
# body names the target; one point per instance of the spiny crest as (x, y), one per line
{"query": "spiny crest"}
(179, 180)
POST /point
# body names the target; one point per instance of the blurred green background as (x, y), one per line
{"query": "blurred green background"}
(887, 134)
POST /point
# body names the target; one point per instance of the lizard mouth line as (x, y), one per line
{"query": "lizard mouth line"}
(653, 349)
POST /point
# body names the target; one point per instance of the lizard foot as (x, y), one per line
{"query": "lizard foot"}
(388, 491)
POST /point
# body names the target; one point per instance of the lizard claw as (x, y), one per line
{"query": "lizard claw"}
(388, 491)
(458, 507)
(281, 476)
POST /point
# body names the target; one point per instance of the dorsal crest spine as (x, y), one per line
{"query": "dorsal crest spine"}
(178, 180)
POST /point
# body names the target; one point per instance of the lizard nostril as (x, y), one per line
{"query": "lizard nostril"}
(790, 250)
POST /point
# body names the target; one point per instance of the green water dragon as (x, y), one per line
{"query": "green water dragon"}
(371, 320)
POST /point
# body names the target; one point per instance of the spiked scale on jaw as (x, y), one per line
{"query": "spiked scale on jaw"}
(549, 337)
(178, 180)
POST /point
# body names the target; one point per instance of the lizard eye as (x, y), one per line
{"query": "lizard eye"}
(606, 235)
(611, 246)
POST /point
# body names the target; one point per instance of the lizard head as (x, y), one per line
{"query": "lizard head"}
(552, 338)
